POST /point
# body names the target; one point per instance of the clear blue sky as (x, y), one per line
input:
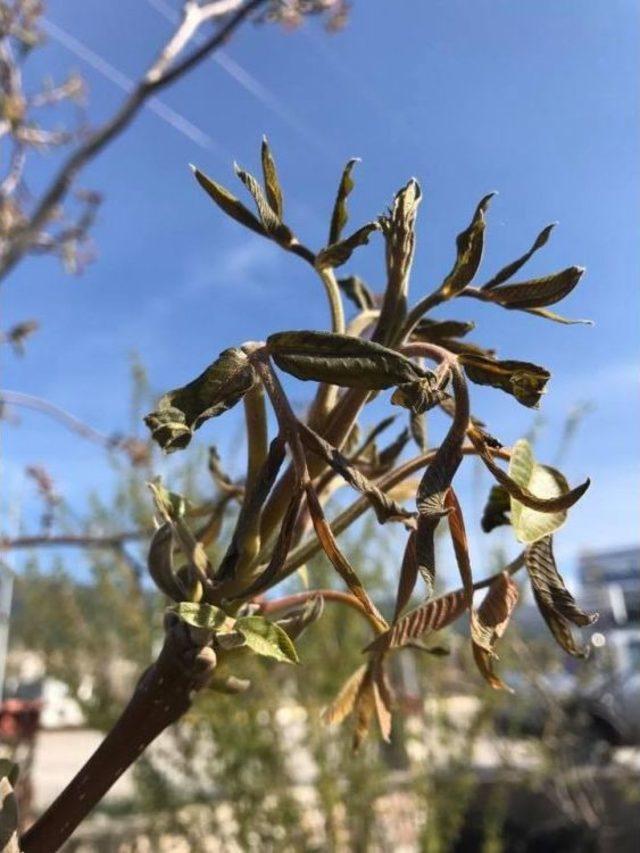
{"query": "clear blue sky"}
(534, 98)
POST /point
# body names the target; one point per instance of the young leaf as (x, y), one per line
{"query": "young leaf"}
(364, 710)
(489, 623)
(341, 360)
(229, 203)
(531, 523)
(201, 615)
(469, 244)
(527, 382)
(185, 409)
(337, 254)
(511, 269)
(271, 181)
(267, 638)
(539, 292)
(549, 585)
(383, 700)
(340, 214)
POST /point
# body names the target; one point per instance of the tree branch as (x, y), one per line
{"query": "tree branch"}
(162, 73)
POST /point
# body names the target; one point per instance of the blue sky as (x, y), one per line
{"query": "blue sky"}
(534, 98)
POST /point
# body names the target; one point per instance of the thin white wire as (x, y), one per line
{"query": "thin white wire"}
(247, 81)
(166, 113)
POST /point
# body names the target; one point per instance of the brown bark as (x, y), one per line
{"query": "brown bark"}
(161, 697)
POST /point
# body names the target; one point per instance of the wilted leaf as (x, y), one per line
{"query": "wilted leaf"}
(489, 623)
(338, 254)
(385, 508)
(408, 576)
(300, 619)
(398, 227)
(549, 586)
(469, 244)
(459, 540)
(185, 409)
(271, 181)
(358, 292)
(388, 456)
(496, 508)
(345, 701)
(431, 616)
(419, 396)
(340, 563)
(229, 203)
(252, 507)
(190, 578)
(160, 564)
(435, 331)
(383, 700)
(561, 629)
(267, 639)
(341, 360)
(271, 221)
(418, 429)
(511, 269)
(8, 818)
(340, 214)
(364, 710)
(527, 382)
(280, 549)
(430, 501)
(539, 292)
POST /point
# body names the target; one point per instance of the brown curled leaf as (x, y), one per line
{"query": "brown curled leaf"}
(549, 586)
(525, 381)
(488, 625)
(420, 622)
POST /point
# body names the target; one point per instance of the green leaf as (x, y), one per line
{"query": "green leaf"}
(228, 203)
(496, 508)
(557, 497)
(267, 639)
(511, 269)
(358, 292)
(341, 360)
(544, 482)
(525, 381)
(340, 214)
(201, 615)
(216, 390)
(469, 244)
(538, 292)
(337, 254)
(271, 181)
